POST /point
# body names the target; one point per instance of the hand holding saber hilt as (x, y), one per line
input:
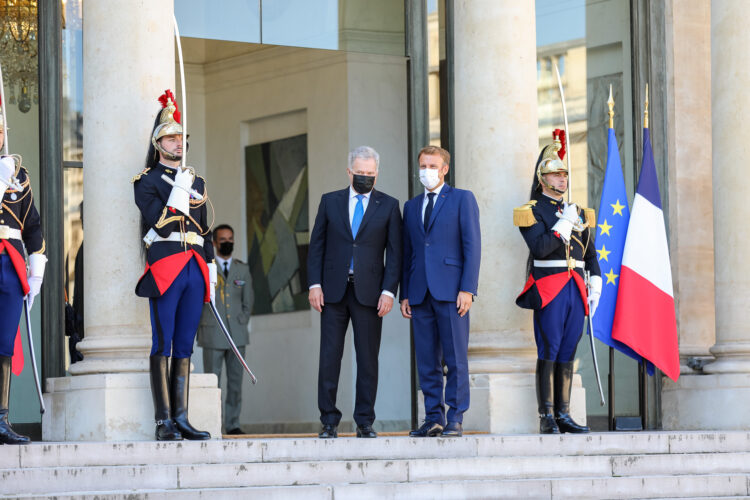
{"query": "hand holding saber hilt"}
(193, 193)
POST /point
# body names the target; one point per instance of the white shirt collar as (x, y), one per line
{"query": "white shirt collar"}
(436, 191)
(353, 193)
(221, 262)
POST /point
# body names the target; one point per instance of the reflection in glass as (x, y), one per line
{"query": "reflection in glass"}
(73, 244)
(72, 80)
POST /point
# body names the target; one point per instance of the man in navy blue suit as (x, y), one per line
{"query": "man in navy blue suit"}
(438, 284)
(355, 228)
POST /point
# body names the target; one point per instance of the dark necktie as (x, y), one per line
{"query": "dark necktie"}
(226, 270)
(428, 210)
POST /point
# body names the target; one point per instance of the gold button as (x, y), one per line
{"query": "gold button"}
(188, 223)
(228, 316)
(2, 222)
(227, 306)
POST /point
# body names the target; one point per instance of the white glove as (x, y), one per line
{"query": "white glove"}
(595, 292)
(212, 281)
(570, 212)
(37, 263)
(563, 227)
(7, 169)
(179, 198)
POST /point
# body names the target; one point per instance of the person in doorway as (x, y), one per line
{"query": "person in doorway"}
(234, 294)
(354, 263)
(20, 234)
(180, 271)
(442, 250)
(560, 249)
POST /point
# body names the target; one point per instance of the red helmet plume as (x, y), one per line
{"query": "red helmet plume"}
(559, 135)
(164, 100)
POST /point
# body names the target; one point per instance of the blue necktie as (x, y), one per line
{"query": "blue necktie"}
(428, 209)
(359, 212)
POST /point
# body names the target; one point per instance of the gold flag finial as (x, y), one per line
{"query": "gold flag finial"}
(611, 104)
(645, 110)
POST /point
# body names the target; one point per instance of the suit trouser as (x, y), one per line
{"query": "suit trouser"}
(11, 305)
(440, 333)
(559, 325)
(212, 360)
(367, 330)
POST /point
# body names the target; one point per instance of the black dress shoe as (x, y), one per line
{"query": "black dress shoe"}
(548, 425)
(453, 429)
(235, 432)
(428, 429)
(366, 431)
(566, 424)
(328, 432)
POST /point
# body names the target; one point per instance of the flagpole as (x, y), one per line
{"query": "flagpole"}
(642, 372)
(611, 378)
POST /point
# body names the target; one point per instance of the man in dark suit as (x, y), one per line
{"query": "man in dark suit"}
(440, 275)
(354, 229)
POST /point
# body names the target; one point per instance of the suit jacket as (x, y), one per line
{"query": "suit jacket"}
(444, 259)
(332, 247)
(234, 302)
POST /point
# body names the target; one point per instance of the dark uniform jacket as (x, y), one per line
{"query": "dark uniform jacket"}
(234, 302)
(332, 247)
(165, 259)
(544, 283)
(18, 212)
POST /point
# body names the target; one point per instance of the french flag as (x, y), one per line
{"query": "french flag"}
(645, 316)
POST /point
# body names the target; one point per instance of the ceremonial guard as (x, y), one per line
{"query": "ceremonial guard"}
(180, 271)
(561, 253)
(20, 234)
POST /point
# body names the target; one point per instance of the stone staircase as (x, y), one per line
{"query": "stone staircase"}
(601, 465)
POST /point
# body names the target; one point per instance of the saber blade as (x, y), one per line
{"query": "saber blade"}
(5, 119)
(596, 364)
(183, 115)
(27, 312)
(567, 132)
(231, 342)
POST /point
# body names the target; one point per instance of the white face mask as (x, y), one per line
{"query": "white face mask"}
(429, 177)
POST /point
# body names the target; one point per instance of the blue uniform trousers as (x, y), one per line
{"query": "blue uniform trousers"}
(559, 325)
(11, 305)
(176, 314)
(440, 333)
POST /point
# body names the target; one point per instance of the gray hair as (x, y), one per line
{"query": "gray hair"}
(364, 153)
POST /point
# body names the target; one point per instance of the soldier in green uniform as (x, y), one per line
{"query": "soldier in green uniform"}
(234, 302)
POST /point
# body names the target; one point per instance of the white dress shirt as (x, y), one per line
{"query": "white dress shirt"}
(352, 206)
(434, 200)
(220, 263)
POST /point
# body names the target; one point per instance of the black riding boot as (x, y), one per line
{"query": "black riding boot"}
(7, 434)
(165, 427)
(545, 373)
(563, 386)
(179, 397)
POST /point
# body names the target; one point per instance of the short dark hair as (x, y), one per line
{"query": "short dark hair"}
(220, 227)
(435, 150)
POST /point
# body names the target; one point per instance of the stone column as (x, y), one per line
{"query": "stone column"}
(691, 223)
(719, 400)
(496, 148)
(129, 58)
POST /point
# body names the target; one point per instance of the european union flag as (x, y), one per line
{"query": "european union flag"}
(611, 229)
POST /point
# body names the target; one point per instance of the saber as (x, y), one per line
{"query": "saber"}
(2, 104)
(567, 133)
(182, 90)
(593, 348)
(231, 342)
(27, 312)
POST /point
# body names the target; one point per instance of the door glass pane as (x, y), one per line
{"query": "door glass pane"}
(72, 80)
(230, 20)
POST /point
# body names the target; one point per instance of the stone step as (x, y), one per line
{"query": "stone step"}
(36, 480)
(703, 487)
(389, 448)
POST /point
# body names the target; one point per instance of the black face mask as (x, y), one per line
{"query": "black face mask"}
(226, 247)
(363, 184)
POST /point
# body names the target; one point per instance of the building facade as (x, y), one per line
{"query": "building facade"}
(278, 92)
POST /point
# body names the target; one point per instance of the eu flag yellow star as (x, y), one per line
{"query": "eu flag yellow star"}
(605, 228)
(617, 208)
(611, 277)
(603, 253)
